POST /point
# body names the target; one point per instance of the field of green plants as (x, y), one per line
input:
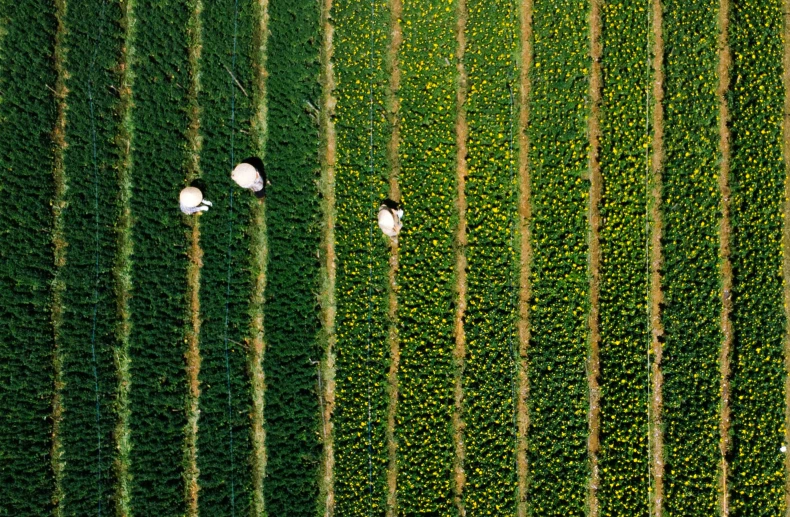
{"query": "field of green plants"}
(585, 313)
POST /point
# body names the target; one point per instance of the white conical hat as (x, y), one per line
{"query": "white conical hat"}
(191, 197)
(388, 221)
(244, 175)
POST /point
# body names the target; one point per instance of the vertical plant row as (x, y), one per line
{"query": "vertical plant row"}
(92, 45)
(691, 273)
(226, 101)
(426, 270)
(755, 99)
(624, 273)
(292, 322)
(158, 261)
(361, 41)
(492, 279)
(27, 119)
(559, 308)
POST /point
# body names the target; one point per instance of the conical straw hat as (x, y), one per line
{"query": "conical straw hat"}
(244, 175)
(191, 197)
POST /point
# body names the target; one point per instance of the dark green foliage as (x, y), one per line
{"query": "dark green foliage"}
(624, 276)
(225, 122)
(362, 258)
(559, 150)
(492, 194)
(27, 118)
(158, 304)
(691, 275)
(758, 174)
(292, 324)
(427, 282)
(87, 339)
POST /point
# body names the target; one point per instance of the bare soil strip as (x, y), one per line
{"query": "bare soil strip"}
(461, 136)
(656, 260)
(393, 161)
(59, 248)
(122, 271)
(593, 365)
(195, 253)
(725, 61)
(525, 251)
(786, 242)
(329, 265)
(260, 252)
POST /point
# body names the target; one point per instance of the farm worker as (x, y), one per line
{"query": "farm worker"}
(246, 176)
(191, 200)
(389, 220)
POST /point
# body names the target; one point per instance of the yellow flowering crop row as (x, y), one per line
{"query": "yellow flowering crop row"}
(362, 258)
(756, 97)
(559, 150)
(492, 278)
(691, 275)
(623, 308)
(426, 304)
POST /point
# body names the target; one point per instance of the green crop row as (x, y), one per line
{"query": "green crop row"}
(691, 273)
(27, 117)
(492, 278)
(624, 277)
(361, 397)
(292, 324)
(756, 98)
(427, 281)
(87, 336)
(559, 150)
(158, 278)
(226, 281)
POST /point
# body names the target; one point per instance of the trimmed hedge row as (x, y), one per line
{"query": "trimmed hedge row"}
(492, 278)
(158, 302)
(360, 41)
(27, 118)
(691, 274)
(559, 153)
(292, 317)
(87, 337)
(427, 282)
(756, 98)
(624, 275)
(226, 281)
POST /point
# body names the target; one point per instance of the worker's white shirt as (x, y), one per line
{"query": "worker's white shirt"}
(202, 207)
(258, 185)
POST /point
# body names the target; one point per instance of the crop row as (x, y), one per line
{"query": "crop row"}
(559, 150)
(158, 303)
(426, 307)
(87, 335)
(226, 281)
(691, 274)
(623, 301)
(756, 98)
(491, 188)
(27, 115)
(292, 324)
(361, 176)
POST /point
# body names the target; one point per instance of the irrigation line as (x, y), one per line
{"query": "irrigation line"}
(230, 253)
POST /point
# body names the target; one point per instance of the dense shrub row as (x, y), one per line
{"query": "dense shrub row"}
(492, 278)
(27, 117)
(87, 335)
(226, 281)
(158, 303)
(756, 97)
(623, 302)
(426, 305)
(361, 176)
(559, 150)
(691, 273)
(292, 324)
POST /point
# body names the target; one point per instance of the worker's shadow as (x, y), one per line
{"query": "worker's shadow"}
(392, 205)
